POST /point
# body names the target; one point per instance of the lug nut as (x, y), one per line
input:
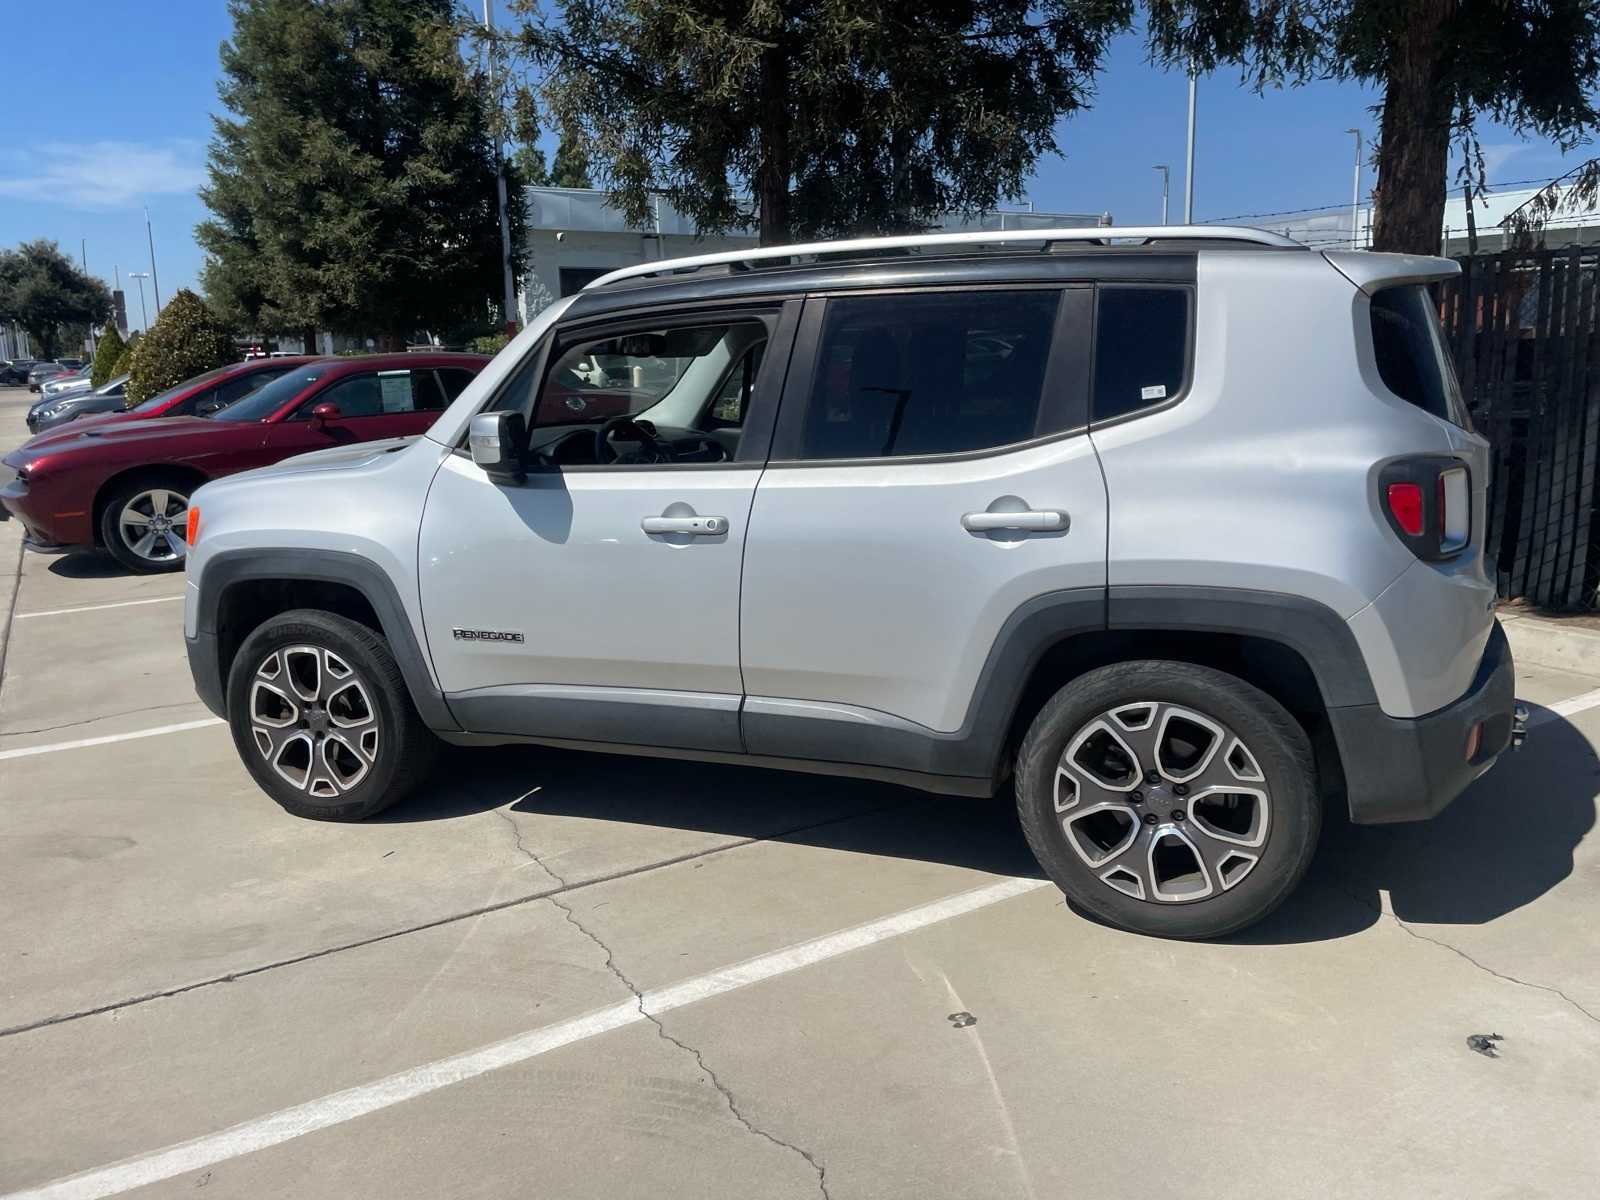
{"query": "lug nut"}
(1177, 814)
(1180, 789)
(1150, 818)
(1152, 777)
(1136, 796)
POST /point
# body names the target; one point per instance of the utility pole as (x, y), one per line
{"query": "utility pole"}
(1188, 178)
(1355, 197)
(83, 257)
(509, 302)
(155, 280)
(1165, 179)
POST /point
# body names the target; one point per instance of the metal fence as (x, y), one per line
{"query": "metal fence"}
(1524, 327)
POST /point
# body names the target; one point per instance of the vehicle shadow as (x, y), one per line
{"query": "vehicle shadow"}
(1504, 843)
(861, 816)
(88, 564)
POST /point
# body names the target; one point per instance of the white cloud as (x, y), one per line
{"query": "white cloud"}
(105, 174)
(1497, 154)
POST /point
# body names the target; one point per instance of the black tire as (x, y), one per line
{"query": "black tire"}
(402, 747)
(167, 554)
(1275, 748)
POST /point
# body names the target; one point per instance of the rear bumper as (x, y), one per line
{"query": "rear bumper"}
(1410, 768)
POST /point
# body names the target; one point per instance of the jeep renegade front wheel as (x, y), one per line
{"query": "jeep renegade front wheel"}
(321, 716)
(1168, 798)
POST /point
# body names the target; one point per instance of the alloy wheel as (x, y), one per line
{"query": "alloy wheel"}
(313, 720)
(152, 523)
(1162, 802)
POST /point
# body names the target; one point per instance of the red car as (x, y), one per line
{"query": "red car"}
(125, 485)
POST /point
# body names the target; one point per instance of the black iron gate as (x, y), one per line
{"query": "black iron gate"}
(1525, 333)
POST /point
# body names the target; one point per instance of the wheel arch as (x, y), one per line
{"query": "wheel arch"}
(238, 590)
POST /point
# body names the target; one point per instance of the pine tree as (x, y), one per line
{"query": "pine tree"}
(124, 363)
(106, 355)
(186, 340)
(818, 116)
(571, 168)
(353, 186)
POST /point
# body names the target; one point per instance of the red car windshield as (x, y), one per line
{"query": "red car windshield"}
(161, 399)
(261, 404)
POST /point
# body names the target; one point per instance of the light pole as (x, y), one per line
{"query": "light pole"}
(155, 280)
(1355, 197)
(1165, 180)
(144, 316)
(509, 303)
(1188, 177)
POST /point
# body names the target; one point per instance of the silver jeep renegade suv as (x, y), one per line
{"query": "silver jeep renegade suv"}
(1177, 531)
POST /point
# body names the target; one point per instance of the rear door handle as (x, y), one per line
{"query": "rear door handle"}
(693, 526)
(1036, 521)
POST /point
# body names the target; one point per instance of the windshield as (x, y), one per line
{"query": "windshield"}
(160, 400)
(260, 405)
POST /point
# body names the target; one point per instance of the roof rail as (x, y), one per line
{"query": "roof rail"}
(868, 247)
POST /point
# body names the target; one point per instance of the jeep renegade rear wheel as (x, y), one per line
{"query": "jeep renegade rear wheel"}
(321, 717)
(1168, 798)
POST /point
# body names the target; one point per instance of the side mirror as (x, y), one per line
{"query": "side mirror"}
(496, 440)
(323, 413)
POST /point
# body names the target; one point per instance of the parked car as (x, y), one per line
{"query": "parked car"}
(14, 371)
(200, 396)
(1182, 535)
(58, 409)
(61, 385)
(125, 486)
(41, 373)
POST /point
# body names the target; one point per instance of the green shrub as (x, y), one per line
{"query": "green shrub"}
(490, 345)
(186, 340)
(106, 356)
(125, 359)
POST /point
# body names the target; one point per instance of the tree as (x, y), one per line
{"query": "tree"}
(42, 291)
(816, 117)
(353, 186)
(571, 169)
(124, 363)
(529, 166)
(106, 355)
(186, 340)
(1441, 64)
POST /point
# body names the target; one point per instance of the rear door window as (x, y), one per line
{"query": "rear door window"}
(1410, 352)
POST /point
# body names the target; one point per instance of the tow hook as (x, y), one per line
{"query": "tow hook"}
(1519, 724)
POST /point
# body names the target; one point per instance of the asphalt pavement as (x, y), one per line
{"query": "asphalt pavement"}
(572, 975)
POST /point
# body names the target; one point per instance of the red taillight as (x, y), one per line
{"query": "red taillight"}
(1405, 505)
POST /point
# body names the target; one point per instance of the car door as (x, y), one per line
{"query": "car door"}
(931, 479)
(599, 599)
(395, 402)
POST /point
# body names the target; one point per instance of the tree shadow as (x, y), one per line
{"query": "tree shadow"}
(1504, 843)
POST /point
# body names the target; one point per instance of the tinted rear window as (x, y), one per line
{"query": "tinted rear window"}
(1140, 346)
(1410, 352)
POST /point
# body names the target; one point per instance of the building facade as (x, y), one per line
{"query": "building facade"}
(574, 236)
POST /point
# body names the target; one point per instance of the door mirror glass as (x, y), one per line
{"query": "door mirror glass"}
(496, 440)
(323, 413)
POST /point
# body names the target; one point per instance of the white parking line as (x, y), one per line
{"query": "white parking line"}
(335, 1109)
(61, 612)
(1564, 708)
(107, 739)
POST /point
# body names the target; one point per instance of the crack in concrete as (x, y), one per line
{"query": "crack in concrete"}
(131, 712)
(1460, 953)
(661, 1030)
(435, 923)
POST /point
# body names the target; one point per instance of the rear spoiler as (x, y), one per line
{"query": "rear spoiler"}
(1370, 272)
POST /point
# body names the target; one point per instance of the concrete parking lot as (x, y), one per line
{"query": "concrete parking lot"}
(849, 989)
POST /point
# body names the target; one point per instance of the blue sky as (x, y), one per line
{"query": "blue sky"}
(119, 115)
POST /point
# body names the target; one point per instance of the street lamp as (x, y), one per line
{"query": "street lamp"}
(1188, 177)
(144, 316)
(1355, 197)
(1165, 179)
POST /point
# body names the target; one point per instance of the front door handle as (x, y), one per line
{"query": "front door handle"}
(693, 526)
(1033, 520)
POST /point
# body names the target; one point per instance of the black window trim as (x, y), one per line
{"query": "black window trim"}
(1187, 384)
(1066, 378)
(780, 317)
